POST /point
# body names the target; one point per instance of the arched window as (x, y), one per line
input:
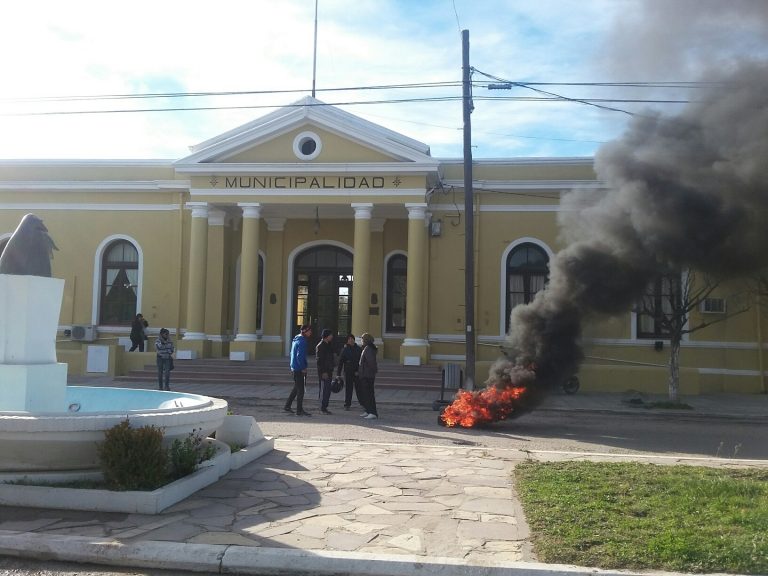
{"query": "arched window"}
(397, 268)
(119, 283)
(527, 274)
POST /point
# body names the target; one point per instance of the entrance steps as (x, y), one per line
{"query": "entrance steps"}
(275, 371)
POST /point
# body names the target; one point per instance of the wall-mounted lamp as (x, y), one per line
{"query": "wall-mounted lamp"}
(436, 227)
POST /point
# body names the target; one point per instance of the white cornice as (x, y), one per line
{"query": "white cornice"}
(309, 112)
(309, 192)
(557, 185)
(309, 109)
(566, 160)
(498, 208)
(88, 163)
(97, 186)
(278, 168)
(90, 207)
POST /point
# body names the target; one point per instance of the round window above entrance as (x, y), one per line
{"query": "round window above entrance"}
(307, 146)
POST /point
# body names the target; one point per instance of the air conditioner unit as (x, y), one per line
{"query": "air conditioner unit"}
(84, 333)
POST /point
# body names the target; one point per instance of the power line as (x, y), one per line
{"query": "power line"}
(75, 98)
(456, 13)
(243, 107)
(553, 99)
(405, 86)
(644, 84)
(510, 84)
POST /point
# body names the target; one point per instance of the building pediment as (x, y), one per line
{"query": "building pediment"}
(308, 136)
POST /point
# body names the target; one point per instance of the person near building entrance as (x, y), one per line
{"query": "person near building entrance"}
(325, 364)
(299, 370)
(366, 376)
(138, 334)
(349, 361)
(164, 347)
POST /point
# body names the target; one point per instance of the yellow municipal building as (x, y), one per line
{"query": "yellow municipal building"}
(313, 215)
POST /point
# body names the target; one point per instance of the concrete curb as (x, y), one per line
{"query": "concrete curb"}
(619, 411)
(218, 558)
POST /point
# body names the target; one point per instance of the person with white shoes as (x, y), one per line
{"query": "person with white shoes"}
(366, 376)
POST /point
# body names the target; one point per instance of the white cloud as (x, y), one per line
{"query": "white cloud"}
(85, 47)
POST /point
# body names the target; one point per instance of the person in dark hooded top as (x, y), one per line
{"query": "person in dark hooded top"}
(367, 374)
(349, 362)
(325, 365)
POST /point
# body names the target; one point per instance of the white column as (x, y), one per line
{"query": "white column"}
(417, 264)
(198, 256)
(361, 288)
(249, 273)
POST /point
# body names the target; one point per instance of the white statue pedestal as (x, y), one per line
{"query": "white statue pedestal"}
(30, 378)
(33, 388)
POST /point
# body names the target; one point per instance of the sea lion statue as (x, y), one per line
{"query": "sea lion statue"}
(29, 250)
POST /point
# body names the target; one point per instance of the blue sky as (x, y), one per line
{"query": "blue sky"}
(54, 49)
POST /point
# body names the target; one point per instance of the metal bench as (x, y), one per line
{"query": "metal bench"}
(453, 379)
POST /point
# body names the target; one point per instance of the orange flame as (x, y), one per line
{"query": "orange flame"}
(488, 405)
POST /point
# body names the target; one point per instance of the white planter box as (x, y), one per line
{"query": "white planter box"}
(133, 501)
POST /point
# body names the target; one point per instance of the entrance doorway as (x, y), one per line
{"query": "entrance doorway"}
(323, 293)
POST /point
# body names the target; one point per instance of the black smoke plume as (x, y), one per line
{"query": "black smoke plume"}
(684, 191)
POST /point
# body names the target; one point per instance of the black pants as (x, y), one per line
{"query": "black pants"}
(324, 392)
(137, 343)
(350, 385)
(299, 380)
(366, 396)
(163, 373)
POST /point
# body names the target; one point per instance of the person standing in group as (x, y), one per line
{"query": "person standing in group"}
(164, 347)
(299, 370)
(138, 335)
(366, 375)
(349, 361)
(325, 364)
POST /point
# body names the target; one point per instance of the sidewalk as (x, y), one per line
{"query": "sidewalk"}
(318, 507)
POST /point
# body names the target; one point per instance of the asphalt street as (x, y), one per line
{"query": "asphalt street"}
(641, 432)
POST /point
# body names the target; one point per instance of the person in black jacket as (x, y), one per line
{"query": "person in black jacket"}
(367, 374)
(138, 334)
(348, 362)
(325, 364)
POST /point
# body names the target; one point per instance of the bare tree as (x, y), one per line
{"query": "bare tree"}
(669, 304)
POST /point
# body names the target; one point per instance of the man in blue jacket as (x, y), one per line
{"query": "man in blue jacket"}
(299, 369)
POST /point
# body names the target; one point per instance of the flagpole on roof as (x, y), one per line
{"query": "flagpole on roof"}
(314, 55)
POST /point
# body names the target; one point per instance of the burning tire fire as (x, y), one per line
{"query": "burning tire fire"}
(491, 404)
(511, 391)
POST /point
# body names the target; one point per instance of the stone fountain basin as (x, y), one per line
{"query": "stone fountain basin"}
(68, 440)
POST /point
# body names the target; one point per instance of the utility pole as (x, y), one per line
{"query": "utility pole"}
(469, 220)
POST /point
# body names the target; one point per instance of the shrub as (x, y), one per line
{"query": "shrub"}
(186, 454)
(133, 458)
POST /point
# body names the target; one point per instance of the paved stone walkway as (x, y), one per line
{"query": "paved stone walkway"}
(349, 505)
(376, 499)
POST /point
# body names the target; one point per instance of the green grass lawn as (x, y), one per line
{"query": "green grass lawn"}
(642, 516)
